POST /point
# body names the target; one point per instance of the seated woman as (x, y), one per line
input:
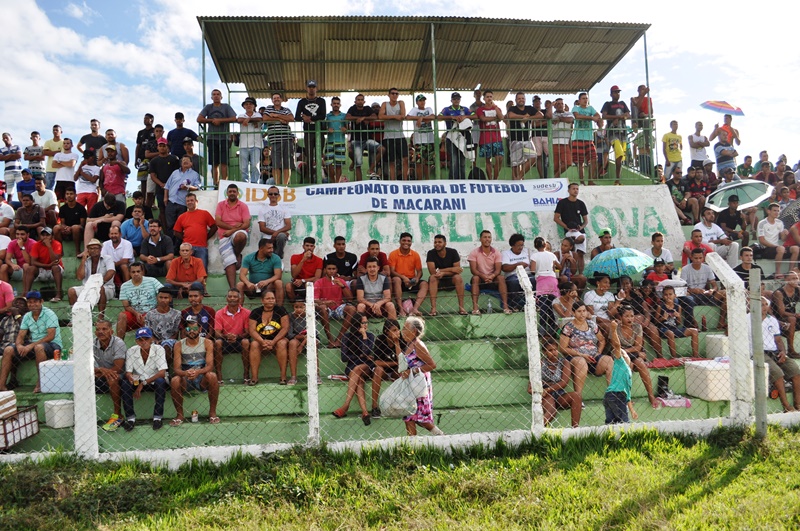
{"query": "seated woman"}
(669, 316)
(385, 360)
(631, 340)
(268, 327)
(643, 301)
(600, 301)
(562, 306)
(556, 372)
(582, 344)
(357, 346)
(568, 258)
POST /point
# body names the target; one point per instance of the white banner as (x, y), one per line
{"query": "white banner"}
(409, 197)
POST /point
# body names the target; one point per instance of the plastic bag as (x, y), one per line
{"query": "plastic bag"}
(398, 400)
(418, 383)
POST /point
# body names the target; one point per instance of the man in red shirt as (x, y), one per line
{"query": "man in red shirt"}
(45, 263)
(195, 227)
(233, 220)
(231, 333)
(374, 249)
(330, 293)
(185, 271)
(306, 267)
(695, 243)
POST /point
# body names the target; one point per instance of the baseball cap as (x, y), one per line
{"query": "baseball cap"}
(375, 104)
(615, 88)
(420, 97)
(162, 140)
(733, 199)
(47, 230)
(707, 162)
(93, 242)
(659, 261)
(188, 139)
(536, 98)
(455, 95)
(191, 319)
(26, 170)
(33, 295)
(727, 170)
(144, 332)
(309, 83)
(112, 147)
(605, 230)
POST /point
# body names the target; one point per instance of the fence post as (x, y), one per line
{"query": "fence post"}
(85, 434)
(741, 370)
(312, 367)
(758, 354)
(534, 358)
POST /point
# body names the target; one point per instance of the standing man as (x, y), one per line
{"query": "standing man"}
(275, 222)
(93, 140)
(144, 138)
(672, 144)
(161, 167)
(583, 148)
(71, 221)
(114, 174)
(733, 134)
(86, 177)
(393, 112)
(181, 182)
(11, 155)
(176, 136)
(311, 110)
(523, 151)
(336, 146)
(444, 266)
(145, 368)
(616, 112)
(698, 143)
(424, 155)
(217, 116)
(562, 132)
(195, 227)
(233, 219)
(119, 147)
(725, 153)
(491, 144)
(406, 271)
(34, 155)
(250, 142)
(193, 369)
(359, 117)
(51, 148)
(138, 296)
(63, 165)
(280, 136)
(485, 264)
(571, 210)
(455, 141)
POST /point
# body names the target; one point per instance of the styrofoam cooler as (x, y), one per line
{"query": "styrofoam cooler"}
(55, 376)
(59, 413)
(710, 380)
(717, 346)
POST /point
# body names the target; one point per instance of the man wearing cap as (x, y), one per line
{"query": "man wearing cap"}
(164, 320)
(424, 154)
(121, 252)
(615, 112)
(456, 142)
(94, 262)
(176, 136)
(193, 369)
(185, 271)
(708, 174)
(86, 179)
(119, 147)
(181, 182)
(715, 237)
(730, 218)
(144, 138)
(729, 177)
(359, 117)
(250, 141)
(63, 165)
(109, 366)
(138, 296)
(583, 148)
(195, 227)
(30, 217)
(233, 219)
(725, 153)
(311, 110)
(39, 337)
(47, 200)
(106, 214)
(204, 315)
(114, 174)
(219, 115)
(145, 369)
(45, 263)
(605, 243)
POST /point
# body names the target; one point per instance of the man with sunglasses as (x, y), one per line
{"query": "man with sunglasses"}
(275, 222)
(193, 366)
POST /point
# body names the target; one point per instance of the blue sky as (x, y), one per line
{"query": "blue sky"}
(69, 61)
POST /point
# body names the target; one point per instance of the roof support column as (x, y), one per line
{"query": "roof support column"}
(435, 123)
(650, 125)
(204, 167)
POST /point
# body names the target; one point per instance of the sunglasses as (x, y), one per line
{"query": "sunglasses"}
(394, 93)
(273, 193)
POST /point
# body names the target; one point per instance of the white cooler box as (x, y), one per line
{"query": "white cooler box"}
(59, 413)
(710, 380)
(56, 376)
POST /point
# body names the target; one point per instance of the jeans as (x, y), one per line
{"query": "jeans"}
(202, 254)
(457, 161)
(50, 180)
(279, 242)
(160, 388)
(248, 164)
(616, 406)
(516, 297)
(173, 211)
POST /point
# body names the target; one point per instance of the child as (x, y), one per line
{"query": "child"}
(556, 374)
(579, 239)
(297, 339)
(669, 318)
(618, 393)
(659, 271)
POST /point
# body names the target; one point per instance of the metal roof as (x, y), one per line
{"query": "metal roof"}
(372, 54)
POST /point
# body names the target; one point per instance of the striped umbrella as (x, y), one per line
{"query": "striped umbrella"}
(722, 107)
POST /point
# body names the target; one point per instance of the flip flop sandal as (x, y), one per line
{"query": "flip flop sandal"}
(175, 422)
(214, 420)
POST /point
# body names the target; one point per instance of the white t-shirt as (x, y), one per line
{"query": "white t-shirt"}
(544, 263)
(769, 329)
(666, 254)
(599, 303)
(770, 231)
(6, 212)
(4, 241)
(698, 153)
(273, 217)
(714, 232)
(65, 174)
(523, 259)
(122, 251)
(45, 200)
(423, 134)
(575, 234)
(82, 186)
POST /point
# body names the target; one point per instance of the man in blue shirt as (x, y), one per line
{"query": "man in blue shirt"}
(456, 140)
(136, 229)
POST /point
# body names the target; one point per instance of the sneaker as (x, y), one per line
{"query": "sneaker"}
(366, 420)
(376, 413)
(113, 423)
(157, 423)
(128, 425)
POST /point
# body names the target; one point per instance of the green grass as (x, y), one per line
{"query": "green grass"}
(641, 480)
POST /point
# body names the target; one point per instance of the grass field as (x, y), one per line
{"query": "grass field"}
(642, 480)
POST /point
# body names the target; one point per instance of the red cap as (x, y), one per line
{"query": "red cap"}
(614, 88)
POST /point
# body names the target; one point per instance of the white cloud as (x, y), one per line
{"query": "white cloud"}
(80, 12)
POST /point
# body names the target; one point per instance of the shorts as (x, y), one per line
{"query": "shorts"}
(62, 187)
(593, 364)
(493, 149)
(583, 151)
(11, 178)
(231, 347)
(769, 252)
(679, 331)
(616, 406)
(335, 313)
(195, 384)
(217, 150)
(109, 290)
(424, 154)
(410, 289)
(49, 351)
(395, 148)
(540, 145)
(522, 150)
(46, 275)
(562, 157)
(226, 249)
(335, 153)
(133, 323)
(380, 313)
(281, 154)
(777, 371)
(446, 283)
(619, 147)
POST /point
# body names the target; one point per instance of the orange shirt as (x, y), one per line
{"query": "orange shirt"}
(182, 272)
(406, 265)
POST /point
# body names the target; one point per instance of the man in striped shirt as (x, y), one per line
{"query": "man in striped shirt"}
(278, 118)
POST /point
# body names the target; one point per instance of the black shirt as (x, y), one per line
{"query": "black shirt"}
(72, 215)
(383, 351)
(345, 266)
(99, 210)
(143, 140)
(162, 248)
(164, 166)
(745, 274)
(520, 129)
(729, 220)
(314, 108)
(450, 259)
(356, 127)
(273, 327)
(572, 211)
(92, 142)
(148, 212)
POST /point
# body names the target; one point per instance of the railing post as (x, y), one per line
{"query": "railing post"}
(758, 354)
(318, 152)
(550, 165)
(534, 358)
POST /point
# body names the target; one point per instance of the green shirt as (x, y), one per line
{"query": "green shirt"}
(258, 270)
(742, 171)
(37, 328)
(620, 379)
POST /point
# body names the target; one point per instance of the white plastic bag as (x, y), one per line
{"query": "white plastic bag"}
(418, 383)
(398, 400)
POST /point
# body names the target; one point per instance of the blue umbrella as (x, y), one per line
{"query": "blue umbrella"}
(618, 262)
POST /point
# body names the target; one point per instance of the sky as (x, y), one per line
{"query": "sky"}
(68, 61)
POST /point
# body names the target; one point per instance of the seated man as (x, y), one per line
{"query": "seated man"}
(374, 249)
(232, 333)
(16, 254)
(771, 233)
(702, 289)
(233, 220)
(136, 229)
(185, 271)
(6, 219)
(444, 266)
(102, 216)
(261, 271)
(695, 243)
(330, 293)
(744, 267)
(517, 255)
(9, 330)
(682, 200)
(121, 252)
(143, 373)
(486, 266)
(204, 315)
(784, 306)
(47, 200)
(138, 296)
(406, 271)
(373, 294)
(346, 263)
(92, 262)
(275, 222)
(30, 217)
(780, 367)
(39, 337)
(730, 218)
(306, 267)
(45, 264)
(164, 321)
(193, 369)
(109, 365)
(157, 251)
(605, 243)
(716, 238)
(138, 201)
(71, 220)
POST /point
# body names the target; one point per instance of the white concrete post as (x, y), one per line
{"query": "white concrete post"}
(85, 434)
(534, 359)
(312, 367)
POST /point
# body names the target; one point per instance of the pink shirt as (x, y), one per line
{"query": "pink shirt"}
(6, 294)
(485, 263)
(325, 289)
(14, 250)
(232, 215)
